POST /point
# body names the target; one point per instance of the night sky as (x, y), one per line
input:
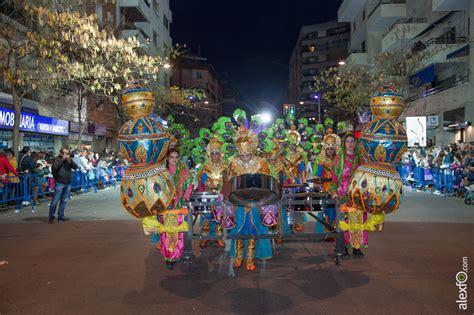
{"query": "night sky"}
(251, 41)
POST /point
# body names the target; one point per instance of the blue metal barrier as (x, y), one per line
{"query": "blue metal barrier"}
(14, 190)
(443, 180)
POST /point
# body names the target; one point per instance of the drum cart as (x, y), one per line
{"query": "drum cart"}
(200, 204)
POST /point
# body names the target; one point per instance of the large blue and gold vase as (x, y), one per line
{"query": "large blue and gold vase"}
(146, 188)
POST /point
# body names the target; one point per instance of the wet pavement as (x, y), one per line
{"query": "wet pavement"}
(101, 263)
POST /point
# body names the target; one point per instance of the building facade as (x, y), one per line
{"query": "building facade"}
(230, 97)
(318, 48)
(439, 30)
(148, 21)
(194, 71)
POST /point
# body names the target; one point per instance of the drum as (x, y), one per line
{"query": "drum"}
(201, 201)
(319, 183)
(254, 190)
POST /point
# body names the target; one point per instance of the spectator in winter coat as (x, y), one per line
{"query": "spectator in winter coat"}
(62, 173)
(5, 167)
(27, 164)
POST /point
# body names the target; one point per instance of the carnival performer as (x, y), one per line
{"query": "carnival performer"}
(210, 177)
(273, 155)
(324, 170)
(248, 221)
(295, 160)
(172, 244)
(345, 163)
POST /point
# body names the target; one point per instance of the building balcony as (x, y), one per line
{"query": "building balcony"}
(450, 5)
(309, 77)
(401, 32)
(135, 10)
(349, 9)
(459, 81)
(133, 33)
(358, 58)
(441, 49)
(385, 13)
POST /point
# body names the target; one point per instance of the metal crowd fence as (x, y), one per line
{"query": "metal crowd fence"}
(30, 188)
(443, 180)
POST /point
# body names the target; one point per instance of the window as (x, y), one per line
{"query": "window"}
(156, 7)
(322, 33)
(311, 60)
(363, 15)
(363, 46)
(322, 46)
(341, 42)
(322, 58)
(166, 22)
(312, 48)
(354, 26)
(98, 12)
(110, 17)
(197, 75)
(340, 30)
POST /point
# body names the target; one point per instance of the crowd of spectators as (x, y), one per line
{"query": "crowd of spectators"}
(457, 157)
(95, 165)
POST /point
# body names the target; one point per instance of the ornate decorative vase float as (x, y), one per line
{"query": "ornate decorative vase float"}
(147, 188)
(376, 187)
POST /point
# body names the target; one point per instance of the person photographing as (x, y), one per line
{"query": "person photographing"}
(62, 172)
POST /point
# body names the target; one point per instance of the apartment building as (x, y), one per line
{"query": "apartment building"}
(439, 30)
(194, 71)
(318, 48)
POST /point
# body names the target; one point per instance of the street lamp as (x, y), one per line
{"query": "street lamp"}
(167, 66)
(266, 117)
(342, 62)
(316, 96)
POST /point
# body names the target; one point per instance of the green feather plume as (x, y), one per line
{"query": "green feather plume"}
(205, 133)
(302, 123)
(341, 126)
(240, 116)
(328, 122)
(255, 122)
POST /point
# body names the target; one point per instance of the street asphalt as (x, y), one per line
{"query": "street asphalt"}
(101, 263)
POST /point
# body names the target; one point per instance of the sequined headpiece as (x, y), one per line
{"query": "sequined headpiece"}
(331, 141)
(214, 145)
(246, 140)
(293, 136)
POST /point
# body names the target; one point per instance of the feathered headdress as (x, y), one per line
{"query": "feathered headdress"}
(214, 145)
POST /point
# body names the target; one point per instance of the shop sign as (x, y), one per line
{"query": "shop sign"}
(34, 123)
